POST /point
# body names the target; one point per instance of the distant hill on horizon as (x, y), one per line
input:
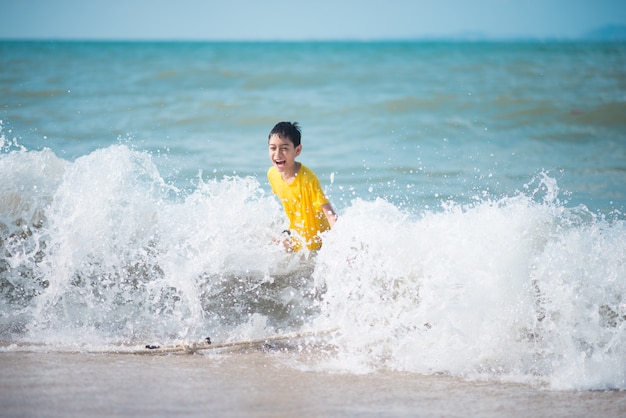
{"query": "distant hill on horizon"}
(602, 33)
(607, 33)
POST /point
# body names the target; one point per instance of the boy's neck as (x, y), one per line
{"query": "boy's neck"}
(290, 176)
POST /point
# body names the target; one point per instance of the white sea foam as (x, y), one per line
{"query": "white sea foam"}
(513, 288)
(101, 251)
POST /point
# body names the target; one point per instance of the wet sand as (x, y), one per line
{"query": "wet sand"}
(259, 384)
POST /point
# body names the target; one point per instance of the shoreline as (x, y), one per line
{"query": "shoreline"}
(261, 384)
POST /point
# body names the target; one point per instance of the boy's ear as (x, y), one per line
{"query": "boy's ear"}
(298, 150)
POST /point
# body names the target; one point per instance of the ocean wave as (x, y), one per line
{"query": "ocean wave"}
(102, 251)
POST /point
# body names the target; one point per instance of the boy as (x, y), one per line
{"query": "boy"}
(298, 188)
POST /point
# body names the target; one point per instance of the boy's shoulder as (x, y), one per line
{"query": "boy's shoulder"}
(307, 175)
(272, 174)
(304, 169)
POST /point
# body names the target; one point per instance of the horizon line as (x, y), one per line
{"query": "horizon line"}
(323, 40)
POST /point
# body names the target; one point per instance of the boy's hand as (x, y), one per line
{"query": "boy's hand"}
(287, 241)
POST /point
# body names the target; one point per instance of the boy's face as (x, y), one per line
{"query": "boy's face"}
(283, 153)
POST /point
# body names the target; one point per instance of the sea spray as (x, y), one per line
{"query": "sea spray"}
(517, 288)
(116, 255)
(102, 250)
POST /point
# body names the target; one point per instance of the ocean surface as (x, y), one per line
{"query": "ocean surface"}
(480, 187)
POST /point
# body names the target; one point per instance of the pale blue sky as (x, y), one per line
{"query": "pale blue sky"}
(304, 20)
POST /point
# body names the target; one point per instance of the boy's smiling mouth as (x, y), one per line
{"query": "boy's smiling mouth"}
(280, 163)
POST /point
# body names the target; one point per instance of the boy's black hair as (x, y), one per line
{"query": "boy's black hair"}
(289, 130)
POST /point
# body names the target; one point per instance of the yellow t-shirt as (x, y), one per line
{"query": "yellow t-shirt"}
(302, 200)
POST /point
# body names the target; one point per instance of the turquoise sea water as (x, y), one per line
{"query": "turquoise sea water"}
(451, 119)
(481, 189)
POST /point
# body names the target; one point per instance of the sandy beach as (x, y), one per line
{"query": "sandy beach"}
(259, 384)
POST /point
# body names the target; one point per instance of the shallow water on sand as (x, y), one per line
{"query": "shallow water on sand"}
(259, 384)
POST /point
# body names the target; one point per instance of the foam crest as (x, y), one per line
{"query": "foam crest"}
(29, 181)
(102, 251)
(118, 254)
(516, 288)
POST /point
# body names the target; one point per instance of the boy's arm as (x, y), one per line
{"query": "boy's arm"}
(330, 213)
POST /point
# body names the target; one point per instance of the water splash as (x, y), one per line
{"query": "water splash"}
(103, 251)
(518, 288)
